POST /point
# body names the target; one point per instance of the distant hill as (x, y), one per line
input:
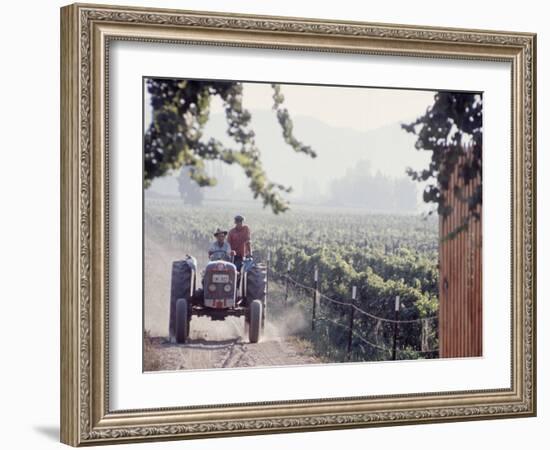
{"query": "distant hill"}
(389, 150)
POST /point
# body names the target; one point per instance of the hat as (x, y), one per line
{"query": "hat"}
(220, 231)
(239, 218)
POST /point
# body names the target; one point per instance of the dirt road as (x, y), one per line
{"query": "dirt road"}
(224, 344)
(214, 344)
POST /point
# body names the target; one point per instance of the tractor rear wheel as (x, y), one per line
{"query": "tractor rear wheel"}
(255, 325)
(256, 282)
(182, 286)
(182, 321)
(256, 287)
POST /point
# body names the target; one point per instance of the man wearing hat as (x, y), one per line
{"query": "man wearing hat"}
(220, 244)
(239, 240)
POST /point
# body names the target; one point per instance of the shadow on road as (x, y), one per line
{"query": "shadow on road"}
(199, 343)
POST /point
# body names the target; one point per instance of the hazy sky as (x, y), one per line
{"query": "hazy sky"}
(361, 109)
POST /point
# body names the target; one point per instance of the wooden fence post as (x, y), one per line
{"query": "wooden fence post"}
(395, 327)
(268, 260)
(351, 314)
(315, 290)
(286, 284)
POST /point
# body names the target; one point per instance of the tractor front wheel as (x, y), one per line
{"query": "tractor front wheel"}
(255, 325)
(182, 321)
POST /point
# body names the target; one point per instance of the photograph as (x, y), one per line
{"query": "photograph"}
(290, 224)
(282, 223)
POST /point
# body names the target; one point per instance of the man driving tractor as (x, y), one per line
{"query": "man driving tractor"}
(220, 247)
(239, 240)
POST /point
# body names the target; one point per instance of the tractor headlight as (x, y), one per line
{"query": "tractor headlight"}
(227, 288)
(211, 287)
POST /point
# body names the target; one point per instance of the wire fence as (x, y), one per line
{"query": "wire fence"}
(354, 306)
(359, 332)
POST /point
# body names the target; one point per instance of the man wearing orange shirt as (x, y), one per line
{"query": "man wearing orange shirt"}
(239, 240)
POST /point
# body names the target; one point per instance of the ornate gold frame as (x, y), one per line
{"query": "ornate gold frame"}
(86, 31)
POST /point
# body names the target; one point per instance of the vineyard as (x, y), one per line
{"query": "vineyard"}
(383, 256)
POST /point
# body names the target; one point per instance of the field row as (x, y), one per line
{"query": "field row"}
(382, 255)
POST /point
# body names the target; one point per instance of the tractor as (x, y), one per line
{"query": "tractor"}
(223, 292)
